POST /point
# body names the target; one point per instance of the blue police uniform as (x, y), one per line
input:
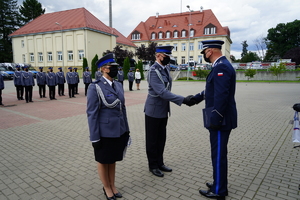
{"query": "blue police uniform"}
(60, 79)
(157, 108)
(98, 75)
(120, 76)
(130, 77)
(41, 82)
(27, 81)
(51, 82)
(71, 80)
(77, 81)
(18, 83)
(1, 88)
(87, 79)
(219, 99)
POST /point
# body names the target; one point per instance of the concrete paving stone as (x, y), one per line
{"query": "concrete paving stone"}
(2, 197)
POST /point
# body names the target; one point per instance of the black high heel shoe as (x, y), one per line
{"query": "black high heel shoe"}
(118, 195)
(109, 198)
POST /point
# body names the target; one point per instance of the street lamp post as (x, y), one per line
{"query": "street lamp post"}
(62, 46)
(189, 42)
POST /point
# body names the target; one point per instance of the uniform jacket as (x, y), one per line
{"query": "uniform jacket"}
(219, 94)
(17, 78)
(71, 79)
(104, 121)
(120, 76)
(51, 79)
(77, 77)
(130, 76)
(1, 82)
(98, 75)
(60, 78)
(87, 77)
(159, 96)
(27, 79)
(41, 78)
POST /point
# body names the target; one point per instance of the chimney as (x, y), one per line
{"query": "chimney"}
(201, 9)
(157, 15)
(110, 14)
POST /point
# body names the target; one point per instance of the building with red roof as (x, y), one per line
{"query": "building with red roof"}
(64, 38)
(184, 31)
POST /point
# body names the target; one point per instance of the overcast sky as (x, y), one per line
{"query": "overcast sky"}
(246, 19)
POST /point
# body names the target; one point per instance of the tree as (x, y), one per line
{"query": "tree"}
(30, 10)
(244, 50)
(283, 38)
(293, 54)
(140, 67)
(249, 57)
(276, 70)
(126, 67)
(141, 52)
(151, 52)
(84, 64)
(9, 22)
(260, 43)
(120, 54)
(93, 65)
(250, 73)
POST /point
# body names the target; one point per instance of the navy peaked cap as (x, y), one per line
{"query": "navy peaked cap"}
(59, 68)
(50, 68)
(108, 59)
(212, 44)
(70, 68)
(40, 67)
(167, 50)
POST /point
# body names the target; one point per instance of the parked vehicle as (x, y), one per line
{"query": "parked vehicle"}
(173, 67)
(6, 74)
(183, 66)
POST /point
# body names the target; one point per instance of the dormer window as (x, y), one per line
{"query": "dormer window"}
(210, 29)
(160, 35)
(192, 33)
(183, 33)
(160, 27)
(175, 34)
(135, 35)
(175, 25)
(153, 36)
(168, 34)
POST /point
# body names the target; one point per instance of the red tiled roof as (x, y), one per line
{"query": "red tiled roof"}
(69, 19)
(179, 22)
(121, 39)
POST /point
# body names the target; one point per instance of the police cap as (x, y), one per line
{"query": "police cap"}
(212, 44)
(108, 59)
(167, 50)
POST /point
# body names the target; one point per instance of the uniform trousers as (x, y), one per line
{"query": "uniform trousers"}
(28, 93)
(156, 134)
(218, 143)
(86, 87)
(51, 92)
(76, 88)
(0, 97)
(20, 91)
(42, 90)
(130, 85)
(61, 89)
(71, 90)
(121, 82)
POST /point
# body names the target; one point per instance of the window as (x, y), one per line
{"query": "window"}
(182, 59)
(160, 35)
(40, 57)
(199, 59)
(59, 56)
(49, 56)
(80, 54)
(206, 31)
(183, 34)
(192, 33)
(23, 58)
(200, 46)
(191, 46)
(136, 36)
(191, 58)
(70, 55)
(175, 47)
(22, 43)
(183, 47)
(175, 34)
(31, 57)
(175, 58)
(210, 29)
(168, 34)
(153, 36)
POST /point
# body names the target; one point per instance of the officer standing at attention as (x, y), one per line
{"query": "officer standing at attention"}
(77, 80)
(60, 79)
(87, 79)
(120, 75)
(1, 88)
(71, 80)
(130, 76)
(51, 82)
(108, 125)
(220, 105)
(41, 82)
(98, 74)
(27, 81)
(157, 108)
(18, 83)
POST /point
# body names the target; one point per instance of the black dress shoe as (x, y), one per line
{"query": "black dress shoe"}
(209, 185)
(165, 168)
(118, 195)
(109, 198)
(211, 195)
(157, 172)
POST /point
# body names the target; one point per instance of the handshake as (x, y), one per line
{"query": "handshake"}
(190, 100)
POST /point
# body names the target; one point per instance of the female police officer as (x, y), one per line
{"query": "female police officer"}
(107, 120)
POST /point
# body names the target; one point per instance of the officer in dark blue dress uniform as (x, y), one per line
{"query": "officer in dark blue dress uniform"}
(18, 84)
(120, 75)
(41, 82)
(157, 108)
(130, 76)
(220, 107)
(1, 88)
(71, 80)
(77, 80)
(98, 74)
(51, 82)
(60, 79)
(87, 79)
(27, 81)
(108, 125)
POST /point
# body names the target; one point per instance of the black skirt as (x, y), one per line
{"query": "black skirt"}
(111, 149)
(137, 80)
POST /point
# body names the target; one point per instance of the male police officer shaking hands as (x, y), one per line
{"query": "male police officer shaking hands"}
(157, 107)
(220, 107)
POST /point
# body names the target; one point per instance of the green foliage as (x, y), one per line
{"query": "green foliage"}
(30, 10)
(202, 74)
(140, 67)
(244, 51)
(120, 54)
(126, 67)
(84, 64)
(146, 53)
(276, 70)
(249, 57)
(250, 73)
(93, 65)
